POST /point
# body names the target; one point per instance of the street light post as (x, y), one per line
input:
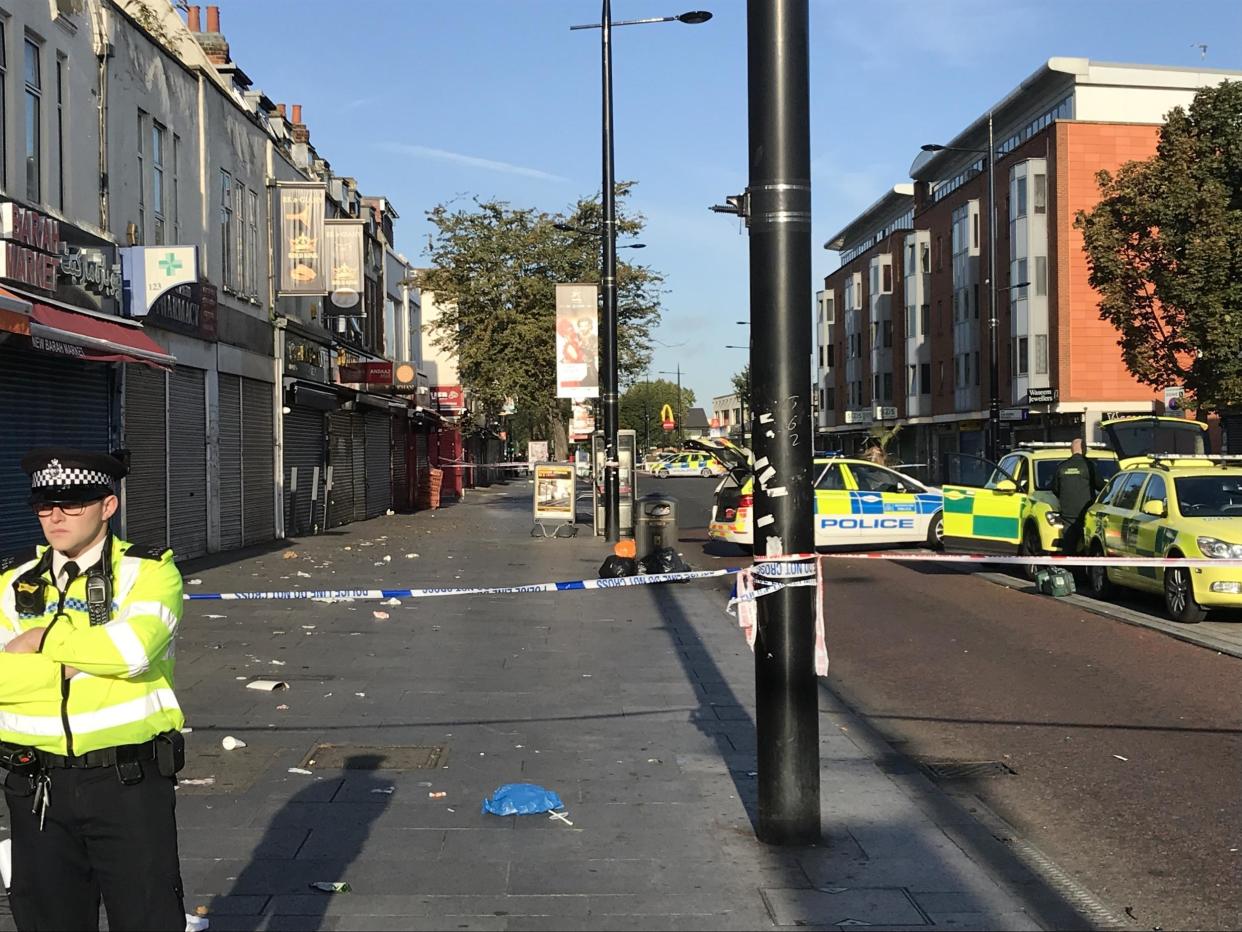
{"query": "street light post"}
(608, 275)
(993, 440)
(741, 396)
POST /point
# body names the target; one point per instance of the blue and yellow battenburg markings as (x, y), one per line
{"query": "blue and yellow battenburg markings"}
(880, 510)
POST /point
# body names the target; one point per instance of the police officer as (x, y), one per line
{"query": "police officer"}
(89, 725)
(1075, 485)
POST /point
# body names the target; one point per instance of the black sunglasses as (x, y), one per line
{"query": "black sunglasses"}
(44, 510)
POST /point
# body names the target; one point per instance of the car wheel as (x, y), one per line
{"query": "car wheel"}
(705, 473)
(1097, 575)
(1031, 546)
(662, 474)
(935, 532)
(1179, 596)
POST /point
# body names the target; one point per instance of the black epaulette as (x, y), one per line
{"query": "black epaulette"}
(146, 553)
(10, 560)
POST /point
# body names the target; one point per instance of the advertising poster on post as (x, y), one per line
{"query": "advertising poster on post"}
(577, 341)
(582, 424)
(554, 492)
(536, 452)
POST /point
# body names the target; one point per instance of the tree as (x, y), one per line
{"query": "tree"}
(1164, 248)
(741, 384)
(640, 409)
(494, 269)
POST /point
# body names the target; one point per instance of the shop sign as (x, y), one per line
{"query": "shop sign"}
(301, 239)
(859, 416)
(405, 377)
(189, 309)
(306, 359)
(1014, 414)
(448, 398)
(370, 372)
(38, 252)
(1042, 396)
(885, 413)
(152, 271)
(343, 250)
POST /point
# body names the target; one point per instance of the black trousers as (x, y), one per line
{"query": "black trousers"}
(101, 840)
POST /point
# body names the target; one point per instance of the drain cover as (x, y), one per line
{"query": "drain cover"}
(364, 757)
(965, 769)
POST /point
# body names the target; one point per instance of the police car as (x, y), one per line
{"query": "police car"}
(1171, 504)
(689, 464)
(857, 503)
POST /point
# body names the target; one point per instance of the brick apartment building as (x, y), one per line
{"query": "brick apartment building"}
(903, 334)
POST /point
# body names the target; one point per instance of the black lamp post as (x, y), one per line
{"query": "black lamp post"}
(993, 443)
(608, 276)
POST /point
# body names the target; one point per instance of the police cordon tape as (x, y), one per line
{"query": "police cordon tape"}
(775, 572)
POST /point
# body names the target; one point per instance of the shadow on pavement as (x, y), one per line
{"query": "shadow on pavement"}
(330, 845)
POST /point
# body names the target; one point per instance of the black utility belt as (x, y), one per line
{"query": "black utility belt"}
(167, 749)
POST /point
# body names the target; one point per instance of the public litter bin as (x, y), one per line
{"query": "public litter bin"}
(656, 525)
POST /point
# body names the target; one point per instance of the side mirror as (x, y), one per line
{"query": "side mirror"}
(1155, 508)
(1006, 486)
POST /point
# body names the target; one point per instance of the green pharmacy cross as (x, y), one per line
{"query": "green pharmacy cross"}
(169, 264)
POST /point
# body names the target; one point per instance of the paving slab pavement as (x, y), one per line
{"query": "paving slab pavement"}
(636, 705)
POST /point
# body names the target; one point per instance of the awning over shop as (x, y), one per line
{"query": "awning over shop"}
(65, 331)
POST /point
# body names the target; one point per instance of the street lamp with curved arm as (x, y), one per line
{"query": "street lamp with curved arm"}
(608, 273)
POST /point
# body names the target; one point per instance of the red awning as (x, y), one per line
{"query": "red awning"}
(57, 328)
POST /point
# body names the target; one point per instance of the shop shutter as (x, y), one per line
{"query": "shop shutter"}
(379, 463)
(146, 438)
(341, 459)
(303, 446)
(230, 462)
(187, 462)
(400, 471)
(258, 463)
(1231, 433)
(48, 401)
(358, 447)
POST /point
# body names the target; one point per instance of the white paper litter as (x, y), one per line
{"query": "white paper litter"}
(193, 582)
(299, 770)
(267, 686)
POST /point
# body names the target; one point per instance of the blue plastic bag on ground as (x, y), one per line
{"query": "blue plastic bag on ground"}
(522, 799)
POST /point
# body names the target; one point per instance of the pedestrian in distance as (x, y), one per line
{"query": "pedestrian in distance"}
(90, 729)
(1075, 484)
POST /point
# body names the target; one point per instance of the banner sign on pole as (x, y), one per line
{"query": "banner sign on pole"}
(582, 424)
(577, 341)
(301, 239)
(554, 492)
(343, 251)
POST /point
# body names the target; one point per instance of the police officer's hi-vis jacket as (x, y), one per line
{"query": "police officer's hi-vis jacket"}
(124, 692)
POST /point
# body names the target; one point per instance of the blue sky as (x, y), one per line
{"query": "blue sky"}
(425, 101)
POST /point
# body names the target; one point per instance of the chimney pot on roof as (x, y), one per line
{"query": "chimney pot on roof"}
(280, 108)
(297, 113)
(192, 19)
(213, 18)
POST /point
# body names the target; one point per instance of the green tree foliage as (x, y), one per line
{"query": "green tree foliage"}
(494, 269)
(640, 406)
(1164, 247)
(741, 384)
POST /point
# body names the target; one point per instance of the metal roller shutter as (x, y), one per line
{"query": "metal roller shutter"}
(359, 448)
(379, 463)
(47, 402)
(230, 462)
(258, 462)
(400, 470)
(187, 462)
(146, 438)
(304, 439)
(341, 459)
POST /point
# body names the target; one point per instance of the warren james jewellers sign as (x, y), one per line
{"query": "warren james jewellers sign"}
(41, 252)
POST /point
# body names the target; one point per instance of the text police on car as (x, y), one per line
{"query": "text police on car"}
(90, 730)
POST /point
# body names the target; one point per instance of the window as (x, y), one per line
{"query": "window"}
(975, 229)
(34, 123)
(912, 384)
(925, 378)
(176, 188)
(926, 321)
(976, 367)
(830, 398)
(888, 386)
(1111, 489)
(1041, 354)
(831, 355)
(831, 479)
(239, 239)
(228, 257)
(141, 147)
(1022, 350)
(1020, 197)
(1020, 293)
(60, 132)
(887, 272)
(158, 134)
(252, 244)
(888, 333)
(1041, 275)
(1156, 491)
(876, 479)
(942, 377)
(4, 112)
(1041, 193)
(926, 257)
(875, 385)
(1127, 496)
(875, 334)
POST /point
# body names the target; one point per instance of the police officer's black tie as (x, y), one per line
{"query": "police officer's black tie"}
(71, 572)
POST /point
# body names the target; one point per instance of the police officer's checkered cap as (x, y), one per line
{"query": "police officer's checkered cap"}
(66, 468)
(58, 476)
